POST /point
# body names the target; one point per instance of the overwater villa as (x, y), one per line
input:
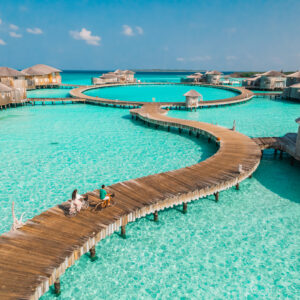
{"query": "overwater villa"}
(118, 76)
(196, 77)
(15, 80)
(271, 80)
(293, 78)
(292, 92)
(42, 76)
(212, 77)
(5, 95)
(192, 99)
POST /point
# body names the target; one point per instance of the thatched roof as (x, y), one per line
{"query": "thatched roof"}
(40, 70)
(273, 74)
(8, 72)
(108, 76)
(192, 93)
(128, 72)
(294, 75)
(198, 74)
(213, 72)
(4, 88)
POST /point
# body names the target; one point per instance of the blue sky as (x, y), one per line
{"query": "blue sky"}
(99, 35)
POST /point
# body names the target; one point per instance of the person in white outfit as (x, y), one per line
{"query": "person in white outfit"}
(76, 202)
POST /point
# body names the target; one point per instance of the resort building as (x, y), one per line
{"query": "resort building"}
(117, 76)
(42, 76)
(293, 78)
(212, 77)
(271, 80)
(292, 92)
(16, 81)
(192, 98)
(5, 95)
(196, 77)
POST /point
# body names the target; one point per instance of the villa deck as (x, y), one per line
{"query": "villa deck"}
(286, 144)
(35, 256)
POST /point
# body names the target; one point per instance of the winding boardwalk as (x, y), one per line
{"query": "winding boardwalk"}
(243, 96)
(35, 256)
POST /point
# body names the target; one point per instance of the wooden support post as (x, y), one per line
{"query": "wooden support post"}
(57, 286)
(217, 196)
(292, 160)
(250, 176)
(155, 216)
(132, 117)
(280, 154)
(184, 208)
(198, 134)
(123, 231)
(179, 129)
(262, 153)
(168, 128)
(209, 139)
(237, 186)
(275, 152)
(93, 252)
(190, 132)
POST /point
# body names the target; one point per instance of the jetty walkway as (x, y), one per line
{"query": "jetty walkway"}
(36, 255)
(243, 96)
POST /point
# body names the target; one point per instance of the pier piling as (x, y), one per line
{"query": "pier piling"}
(184, 208)
(155, 216)
(123, 231)
(57, 286)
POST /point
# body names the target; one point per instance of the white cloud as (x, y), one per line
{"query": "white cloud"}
(230, 57)
(15, 35)
(139, 30)
(34, 30)
(127, 30)
(13, 27)
(180, 59)
(2, 42)
(86, 35)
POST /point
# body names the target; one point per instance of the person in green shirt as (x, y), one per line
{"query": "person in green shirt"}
(103, 193)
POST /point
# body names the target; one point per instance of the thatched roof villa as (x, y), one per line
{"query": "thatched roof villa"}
(196, 77)
(292, 92)
(271, 80)
(42, 76)
(16, 81)
(192, 98)
(117, 76)
(5, 94)
(212, 77)
(293, 78)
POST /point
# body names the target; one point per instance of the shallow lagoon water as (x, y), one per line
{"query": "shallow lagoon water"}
(162, 93)
(244, 247)
(259, 117)
(49, 93)
(47, 151)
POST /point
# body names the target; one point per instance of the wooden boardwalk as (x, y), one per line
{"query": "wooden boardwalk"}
(55, 100)
(286, 144)
(243, 96)
(35, 256)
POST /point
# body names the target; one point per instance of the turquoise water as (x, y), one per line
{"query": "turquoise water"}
(77, 77)
(49, 93)
(246, 246)
(257, 117)
(162, 93)
(48, 151)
